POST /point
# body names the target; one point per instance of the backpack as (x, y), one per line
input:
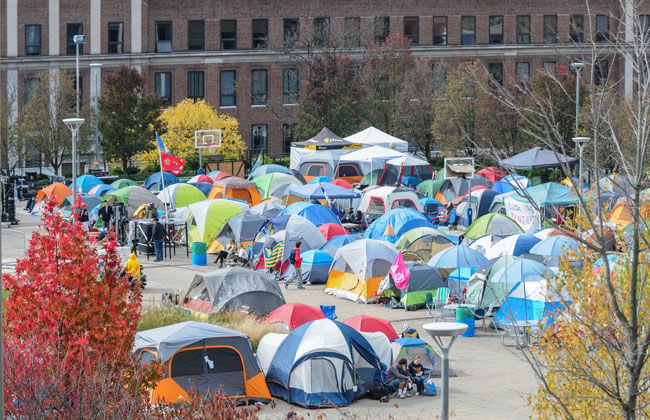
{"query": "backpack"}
(378, 391)
(292, 256)
(429, 388)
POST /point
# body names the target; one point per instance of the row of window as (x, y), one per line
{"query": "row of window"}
(228, 86)
(260, 137)
(522, 71)
(321, 32)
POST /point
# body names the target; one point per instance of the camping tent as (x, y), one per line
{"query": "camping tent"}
(365, 323)
(421, 243)
(123, 182)
(337, 242)
(330, 230)
(180, 195)
(133, 197)
(423, 279)
(100, 189)
(316, 266)
(269, 169)
(481, 203)
(430, 187)
(200, 178)
(358, 268)
(155, 181)
(492, 173)
(233, 289)
(57, 191)
(371, 178)
(237, 188)
(548, 194)
(203, 357)
(537, 158)
(89, 200)
(408, 165)
(376, 201)
(370, 158)
(394, 223)
(409, 347)
(269, 208)
(500, 282)
(209, 217)
(322, 363)
(204, 187)
(269, 183)
(86, 182)
(493, 224)
(315, 213)
(373, 137)
(241, 228)
(512, 245)
(458, 187)
(554, 246)
(529, 302)
(294, 314)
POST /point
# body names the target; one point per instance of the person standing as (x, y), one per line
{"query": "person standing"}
(294, 258)
(133, 235)
(158, 236)
(106, 214)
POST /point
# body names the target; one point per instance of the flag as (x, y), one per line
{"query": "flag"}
(331, 203)
(161, 143)
(272, 256)
(170, 163)
(399, 272)
(258, 162)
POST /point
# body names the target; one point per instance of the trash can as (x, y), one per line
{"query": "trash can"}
(199, 256)
(466, 316)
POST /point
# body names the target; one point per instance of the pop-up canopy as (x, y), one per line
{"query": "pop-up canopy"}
(537, 158)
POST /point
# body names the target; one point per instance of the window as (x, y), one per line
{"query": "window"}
(259, 87)
(228, 93)
(576, 30)
(291, 32)
(522, 71)
(322, 32)
(550, 29)
(548, 65)
(644, 26)
(164, 87)
(229, 34)
(496, 29)
(412, 29)
(259, 137)
(382, 29)
(468, 30)
(602, 28)
(316, 169)
(290, 86)
(73, 29)
(523, 29)
(403, 203)
(496, 71)
(32, 39)
(288, 136)
(195, 85)
(345, 170)
(352, 32)
(260, 33)
(115, 37)
(376, 205)
(163, 37)
(30, 84)
(601, 72)
(195, 35)
(440, 30)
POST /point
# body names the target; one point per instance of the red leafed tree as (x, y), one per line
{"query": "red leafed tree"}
(69, 328)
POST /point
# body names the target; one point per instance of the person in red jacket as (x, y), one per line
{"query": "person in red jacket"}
(294, 258)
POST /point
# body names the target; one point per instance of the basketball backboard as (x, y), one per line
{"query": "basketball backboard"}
(459, 167)
(207, 140)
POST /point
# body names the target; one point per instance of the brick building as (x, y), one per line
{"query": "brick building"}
(240, 55)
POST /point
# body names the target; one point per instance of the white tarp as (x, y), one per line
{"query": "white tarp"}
(299, 154)
(372, 136)
(525, 214)
(371, 158)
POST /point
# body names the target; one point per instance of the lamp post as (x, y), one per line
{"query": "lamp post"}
(577, 66)
(73, 124)
(97, 67)
(77, 39)
(580, 142)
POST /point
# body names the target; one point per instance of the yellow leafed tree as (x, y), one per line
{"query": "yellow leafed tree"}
(186, 117)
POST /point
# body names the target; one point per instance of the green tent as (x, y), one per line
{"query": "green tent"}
(208, 217)
(493, 224)
(423, 279)
(421, 243)
(180, 195)
(430, 187)
(133, 197)
(121, 183)
(268, 183)
(372, 177)
(476, 284)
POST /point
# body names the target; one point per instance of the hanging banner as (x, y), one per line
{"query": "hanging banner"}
(523, 213)
(400, 272)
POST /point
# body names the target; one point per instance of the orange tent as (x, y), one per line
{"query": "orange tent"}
(621, 216)
(57, 190)
(235, 187)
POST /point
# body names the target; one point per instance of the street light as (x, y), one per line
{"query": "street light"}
(97, 67)
(580, 142)
(577, 66)
(77, 39)
(73, 124)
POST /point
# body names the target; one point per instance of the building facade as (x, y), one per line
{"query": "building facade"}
(242, 56)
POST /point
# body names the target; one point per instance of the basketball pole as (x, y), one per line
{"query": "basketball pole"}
(200, 158)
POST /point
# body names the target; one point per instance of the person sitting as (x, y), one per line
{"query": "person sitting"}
(348, 217)
(242, 255)
(397, 378)
(416, 371)
(223, 254)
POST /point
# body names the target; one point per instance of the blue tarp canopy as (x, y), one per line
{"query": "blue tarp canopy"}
(537, 158)
(321, 191)
(548, 194)
(318, 214)
(399, 221)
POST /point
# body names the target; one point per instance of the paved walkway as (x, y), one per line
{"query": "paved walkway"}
(492, 382)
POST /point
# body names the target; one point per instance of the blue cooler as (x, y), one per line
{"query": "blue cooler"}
(199, 256)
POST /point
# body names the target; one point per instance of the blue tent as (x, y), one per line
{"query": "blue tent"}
(86, 182)
(322, 363)
(318, 214)
(323, 179)
(153, 182)
(409, 347)
(269, 169)
(458, 256)
(411, 181)
(316, 266)
(529, 302)
(502, 187)
(100, 189)
(399, 221)
(554, 246)
(548, 194)
(321, 191)
(337, 242)
(204, 187)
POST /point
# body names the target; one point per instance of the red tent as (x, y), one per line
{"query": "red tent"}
(492, 173)
(204, 178)
(371, 324)
(295, 314)
(330, 230)
(342, 183)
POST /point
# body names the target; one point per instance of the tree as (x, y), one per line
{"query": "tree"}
(128, 115)
(69, 328)
(41, 121)
(333, 98)
(187, 116)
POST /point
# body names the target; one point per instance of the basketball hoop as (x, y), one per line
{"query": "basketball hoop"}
(459, 167)
(207, 141)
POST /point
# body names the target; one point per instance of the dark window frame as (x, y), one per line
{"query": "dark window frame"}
(526, 79)
(229, 41)
(495, 69)
(352, 32)
(495, 37)
(415, 35)
(288, 136)
(290, 96)
(464, 39)
(115, 47)
(523, 29)
(550, 34)
(161, 44)
(70, 44)
(644, 26)
(290, 32)
(440, 38)
(381, 29)
(259, 97)
(196, 84)
(601, 72)
(602, 34)
(577, 28)
(33, 49)
(549, 64)
(196, 42)
(265, 129)
(321, 27)
(163, 77)
(260, 37)
(223, 96)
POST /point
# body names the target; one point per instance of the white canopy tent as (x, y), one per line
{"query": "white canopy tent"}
(371, 158)
(372, 136)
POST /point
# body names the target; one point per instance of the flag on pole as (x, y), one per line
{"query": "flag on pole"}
(170, 163)
(258, 162)
(161, 143)
(330, 202)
